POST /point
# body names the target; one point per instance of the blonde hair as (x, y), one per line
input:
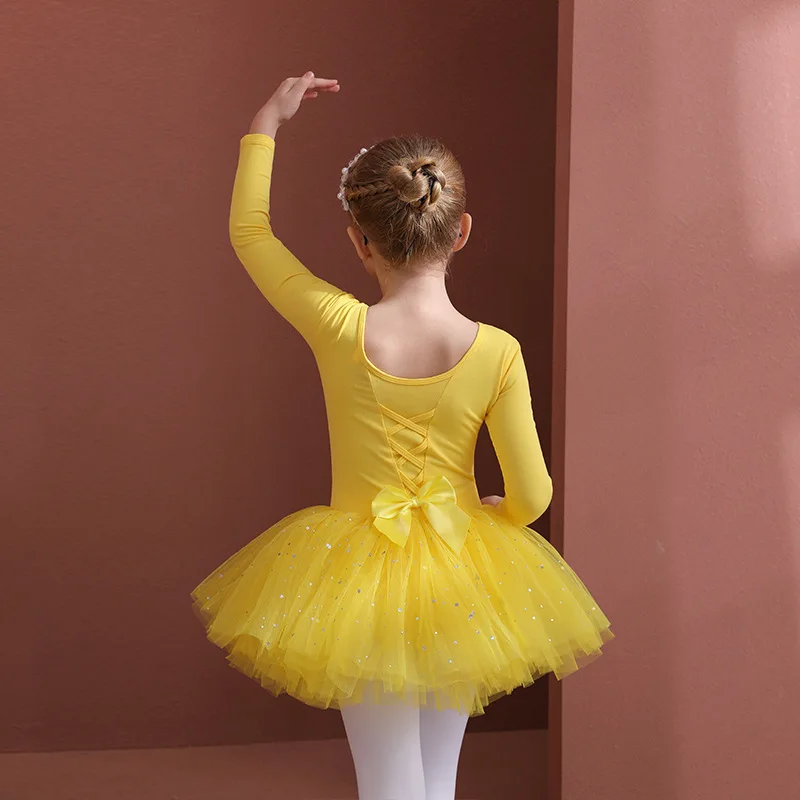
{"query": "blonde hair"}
(407, 195)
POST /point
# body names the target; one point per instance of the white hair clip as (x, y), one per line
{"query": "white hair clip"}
(345, 170)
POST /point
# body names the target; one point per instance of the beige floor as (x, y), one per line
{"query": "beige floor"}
(494, 766)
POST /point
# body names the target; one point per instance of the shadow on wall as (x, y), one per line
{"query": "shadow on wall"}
(688, 281)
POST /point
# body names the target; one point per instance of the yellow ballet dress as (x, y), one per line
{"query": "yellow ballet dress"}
(405, 587)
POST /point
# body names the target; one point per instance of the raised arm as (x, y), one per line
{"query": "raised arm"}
(528, 487)
(305, 300)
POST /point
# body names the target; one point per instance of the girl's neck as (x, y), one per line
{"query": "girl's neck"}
(421, 287)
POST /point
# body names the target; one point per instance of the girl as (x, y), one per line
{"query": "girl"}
(409, 603)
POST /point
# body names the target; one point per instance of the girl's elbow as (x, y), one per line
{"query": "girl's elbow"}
(530, 506)
(236, 235)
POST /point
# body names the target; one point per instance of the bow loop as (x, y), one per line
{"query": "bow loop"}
(436, 498)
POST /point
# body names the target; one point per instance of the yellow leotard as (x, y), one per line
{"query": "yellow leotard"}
(404, 585)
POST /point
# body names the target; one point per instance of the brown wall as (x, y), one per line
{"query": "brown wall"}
(156, 413)
(682, 399)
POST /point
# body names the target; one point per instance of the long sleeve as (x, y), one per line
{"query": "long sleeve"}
(309, 303)
(528, 487)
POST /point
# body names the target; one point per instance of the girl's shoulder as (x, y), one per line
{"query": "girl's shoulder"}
(499, 340)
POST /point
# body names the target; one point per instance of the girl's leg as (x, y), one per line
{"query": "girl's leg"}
(441, 736)
(384, 741)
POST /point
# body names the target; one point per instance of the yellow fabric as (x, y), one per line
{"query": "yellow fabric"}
(393, 511)
(404, 581)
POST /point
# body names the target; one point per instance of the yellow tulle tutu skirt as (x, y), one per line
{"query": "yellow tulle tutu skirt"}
(326, 608)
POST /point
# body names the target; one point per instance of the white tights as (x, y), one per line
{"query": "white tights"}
(404, 753)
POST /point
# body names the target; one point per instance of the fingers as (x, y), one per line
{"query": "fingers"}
(306, 87)
(312, 82)
(302, 85)
(290, 84)
(316, 91)
(325, 83)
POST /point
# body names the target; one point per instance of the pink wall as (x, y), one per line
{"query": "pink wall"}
(683, 398)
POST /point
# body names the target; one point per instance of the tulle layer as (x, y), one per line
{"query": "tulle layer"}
(324, 607)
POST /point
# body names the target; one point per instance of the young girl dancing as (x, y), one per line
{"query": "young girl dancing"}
(409, 602)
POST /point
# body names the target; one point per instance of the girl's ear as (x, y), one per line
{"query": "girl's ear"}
(363, 251)
(464, 230)
(360, 243)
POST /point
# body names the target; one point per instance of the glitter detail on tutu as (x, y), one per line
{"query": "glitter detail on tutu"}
(324, 607)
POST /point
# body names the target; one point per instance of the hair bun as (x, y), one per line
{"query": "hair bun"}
(418, 183)
(407, 196)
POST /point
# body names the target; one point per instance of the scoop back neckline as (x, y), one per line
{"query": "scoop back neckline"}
(362, 325)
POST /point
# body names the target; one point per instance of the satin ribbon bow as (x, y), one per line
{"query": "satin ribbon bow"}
(393, 509)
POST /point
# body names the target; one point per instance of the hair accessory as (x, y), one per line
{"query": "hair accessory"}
(345, 170)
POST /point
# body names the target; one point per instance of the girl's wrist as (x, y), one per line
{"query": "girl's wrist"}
(265, 123)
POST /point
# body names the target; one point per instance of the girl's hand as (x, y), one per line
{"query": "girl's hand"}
(283, 105)
(492, 500)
